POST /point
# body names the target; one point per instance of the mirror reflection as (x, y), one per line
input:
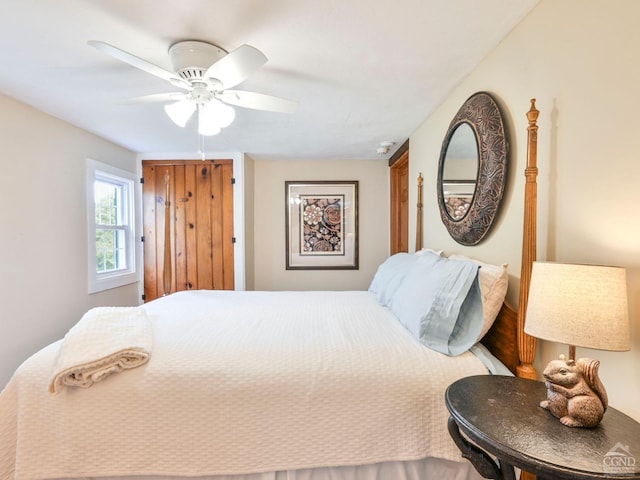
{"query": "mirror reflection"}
(460, 171)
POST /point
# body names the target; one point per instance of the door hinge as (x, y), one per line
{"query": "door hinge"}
(233, 181)
(142, 239)
(233, 239)
(144, 297)
(141, 179)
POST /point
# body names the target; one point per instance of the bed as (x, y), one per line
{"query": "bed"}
(336, 385)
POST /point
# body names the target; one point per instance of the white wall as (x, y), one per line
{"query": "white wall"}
(579, 59)
(269, 223)
(43, 240)
(249, 219)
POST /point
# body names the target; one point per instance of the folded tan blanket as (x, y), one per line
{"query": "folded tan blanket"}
(106, 340)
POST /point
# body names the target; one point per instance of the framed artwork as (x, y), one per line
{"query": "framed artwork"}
(321, 225)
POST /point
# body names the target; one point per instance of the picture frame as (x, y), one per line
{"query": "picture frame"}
(321, 225)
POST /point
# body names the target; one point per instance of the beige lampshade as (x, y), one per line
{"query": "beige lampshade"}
(580, 305)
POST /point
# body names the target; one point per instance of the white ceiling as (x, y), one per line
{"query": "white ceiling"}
(363, 71)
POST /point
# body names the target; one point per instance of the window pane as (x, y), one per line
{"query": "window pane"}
(111, 226)
(110, 250)
(108, 197)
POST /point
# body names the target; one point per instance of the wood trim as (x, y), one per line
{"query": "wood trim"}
(399, 205)
(402, 149)
(155, 163)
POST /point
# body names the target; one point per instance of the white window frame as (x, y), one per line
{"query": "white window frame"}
(99, 282)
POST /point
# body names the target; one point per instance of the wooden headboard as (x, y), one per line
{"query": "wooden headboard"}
(506, 339)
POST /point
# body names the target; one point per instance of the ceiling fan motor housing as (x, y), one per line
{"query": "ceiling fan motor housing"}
(191, 59)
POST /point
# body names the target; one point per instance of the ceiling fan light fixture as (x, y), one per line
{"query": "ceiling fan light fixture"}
(224, 114)
(214, 115)
(180, 112)
(207, 124)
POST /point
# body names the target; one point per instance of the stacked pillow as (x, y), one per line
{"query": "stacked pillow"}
(424, 251)
(447, 303)
(494, 280)
(389, 276)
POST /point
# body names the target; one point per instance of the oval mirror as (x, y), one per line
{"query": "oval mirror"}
(472, 169)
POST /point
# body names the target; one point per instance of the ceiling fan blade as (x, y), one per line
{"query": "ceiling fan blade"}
(236, 66)
(157, 98)
(258, 101)
(139, 63)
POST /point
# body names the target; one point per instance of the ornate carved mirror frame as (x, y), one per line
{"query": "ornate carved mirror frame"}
(481, 113)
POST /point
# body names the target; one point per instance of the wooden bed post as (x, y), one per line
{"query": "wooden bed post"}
(419, 219)
(527, 344)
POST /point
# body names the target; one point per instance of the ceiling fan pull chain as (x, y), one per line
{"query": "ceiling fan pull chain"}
(201, 146)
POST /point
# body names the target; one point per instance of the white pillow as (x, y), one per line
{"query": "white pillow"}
(494, 280)
(439, 301)
(423, 251)
(390, 274)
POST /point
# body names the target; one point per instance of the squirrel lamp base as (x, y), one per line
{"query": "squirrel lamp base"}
(575, 393)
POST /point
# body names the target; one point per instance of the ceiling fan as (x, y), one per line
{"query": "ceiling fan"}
(206, 73)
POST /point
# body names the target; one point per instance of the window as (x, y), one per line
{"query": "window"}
(111, 219)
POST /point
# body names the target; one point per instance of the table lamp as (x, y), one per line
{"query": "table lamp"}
(584, 306)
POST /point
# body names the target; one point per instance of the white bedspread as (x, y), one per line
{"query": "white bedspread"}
(240, 382)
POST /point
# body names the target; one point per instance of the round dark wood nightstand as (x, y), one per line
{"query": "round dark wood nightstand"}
(500, 416)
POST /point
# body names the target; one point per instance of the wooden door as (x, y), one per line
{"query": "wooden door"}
(399, 205)
(200, 230)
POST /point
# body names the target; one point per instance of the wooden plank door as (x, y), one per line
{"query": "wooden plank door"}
(200, 230)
